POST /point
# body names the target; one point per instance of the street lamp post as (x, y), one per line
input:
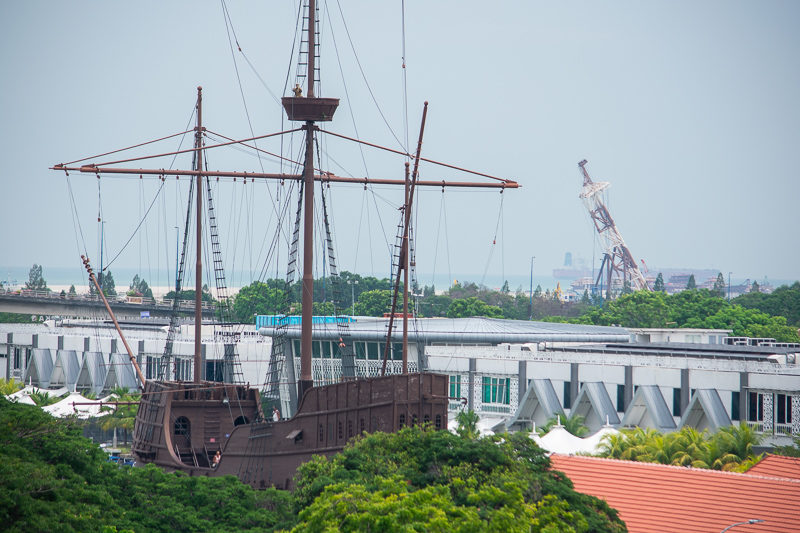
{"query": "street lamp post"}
(530, 305)
(751, 521)
(353, 283)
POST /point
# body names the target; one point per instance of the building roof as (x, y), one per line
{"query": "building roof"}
(648, 410)
(705, 411)
(778, 466)
(65, 370)
(538, 405)
(120, 373)
(685, 349)
(92, 375)
(464, 330)
(657, 498)
(39, 368)
(594, 405)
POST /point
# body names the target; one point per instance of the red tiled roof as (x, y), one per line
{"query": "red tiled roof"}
(658, 498)
(777, 466)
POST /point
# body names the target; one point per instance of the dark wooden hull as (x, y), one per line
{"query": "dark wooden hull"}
(181, 425)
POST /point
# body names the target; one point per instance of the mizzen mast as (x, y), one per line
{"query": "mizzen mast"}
(198, 275)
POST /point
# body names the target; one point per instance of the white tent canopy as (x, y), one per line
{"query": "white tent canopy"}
(559, 440)
(76, 405)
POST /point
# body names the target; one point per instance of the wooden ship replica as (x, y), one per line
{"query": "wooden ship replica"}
(212, 428)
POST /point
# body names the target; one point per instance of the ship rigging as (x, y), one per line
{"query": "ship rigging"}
(182, 425)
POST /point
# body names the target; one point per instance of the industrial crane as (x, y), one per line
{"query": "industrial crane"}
(618, 263)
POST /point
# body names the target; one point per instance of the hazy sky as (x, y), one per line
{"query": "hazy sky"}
(688, 108)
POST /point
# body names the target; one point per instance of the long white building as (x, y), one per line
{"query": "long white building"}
(514, 374)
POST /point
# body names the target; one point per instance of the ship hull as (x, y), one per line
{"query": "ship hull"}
(180, 425)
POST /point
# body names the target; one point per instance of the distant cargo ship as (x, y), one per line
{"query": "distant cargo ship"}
(572, 273)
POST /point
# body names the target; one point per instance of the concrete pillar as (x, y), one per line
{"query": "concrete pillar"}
(628, 387)
(473, 368)
(744, 384)
(523, 379)
(9, 354)
(574, 383)
(684, 389)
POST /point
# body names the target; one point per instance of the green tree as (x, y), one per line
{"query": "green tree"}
(36, 281)
(374, 302)
(437, 481)
(258, 298)
(719, 286)
(43, 398)
(123, 416)
(755, 288)
(72, 291)
(106, 282)
(10, 386)
(53, 479)
(139, 287)
(658, 286)
(472, 306)
(783, 301)
(573, 424)
(730, 448)
(626, 287)
(691, 284)
(435, 305)
(467, 424)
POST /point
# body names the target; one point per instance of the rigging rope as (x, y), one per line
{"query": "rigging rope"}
(127, 148)
(229, 28)
(161, 187)
(494, 239)
(442, 221)
(364, 76)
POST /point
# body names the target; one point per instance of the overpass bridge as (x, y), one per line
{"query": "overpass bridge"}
(49, 303)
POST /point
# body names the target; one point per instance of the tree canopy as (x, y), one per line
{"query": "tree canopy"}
(36, 281)
(699, 308)
(730, 448)
(783, 301)
(53, 479)
(139, 287)
(426, 480)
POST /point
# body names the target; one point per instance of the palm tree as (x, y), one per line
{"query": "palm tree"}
(613, 445)
(739, 440)
(467, 424)
(43, 399)
(573, 424)
(716, 457)
(123, 416)
(10, 386)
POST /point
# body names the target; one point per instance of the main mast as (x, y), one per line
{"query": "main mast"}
(308, 109)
